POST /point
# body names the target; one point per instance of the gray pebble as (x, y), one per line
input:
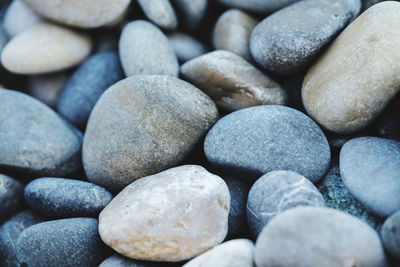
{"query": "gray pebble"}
(11, 196)
(47, 87)
(258, 6)
(118, 260)
(390, 234)
(160, 12)
(186, 47)
(192, 12)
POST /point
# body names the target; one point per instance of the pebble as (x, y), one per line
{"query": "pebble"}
(356, 77)
(143, 125)
(368, 3)
(45, 48)
(370, 168)
(160, 12)
(186, 47)
(83, 14)
(192, 12)
(3, 37)
(11, 196)
(144, 49)
(86, 85)
(315, 236)
(258, 6)
(60, 198)
(390, 234)
(34, 139)
(66, 242)
(231, 81)
(234, 253)
(257, 140)
(9, 233)
(47, 87)
(276, 192)
(232, 32)
(191, 203)
(120, 261)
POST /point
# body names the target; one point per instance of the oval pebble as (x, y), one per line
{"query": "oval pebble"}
(192, 204)
(186, 47)
(47, 87)
(160, 12)
(192, 12)
(258, 6)
(390, 234)
(11, 192)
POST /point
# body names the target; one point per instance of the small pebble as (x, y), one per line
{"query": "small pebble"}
(191, 12)
(186, 47)
(258, 6)
(160, 12)
(47, 87)
(11, 196)
(390, 234)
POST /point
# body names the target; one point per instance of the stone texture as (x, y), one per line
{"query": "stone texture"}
(153, 121)
(232, 32)
(84, 14)
(60, 198)
(160, 12)
(276, 192)
(320, 237)
(46, 87)
(144, 49)
(390, 234)
(261, 139)
(45, 48)
(231, 81)
(234, 253)
(34, 139)
(191, 203)
(186, 47)
(11, 196)
(355, 78)
(370, 168)
(86, 85)
(258, 6)
(120, 261)
(192, 12)
(289, 40)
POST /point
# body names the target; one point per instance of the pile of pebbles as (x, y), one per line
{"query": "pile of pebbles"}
(200, 133)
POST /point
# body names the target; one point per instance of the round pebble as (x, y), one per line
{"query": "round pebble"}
(11, 196)
(47, 87)
(160, 12)
(258, 6)
(390, 234)
(186, 47)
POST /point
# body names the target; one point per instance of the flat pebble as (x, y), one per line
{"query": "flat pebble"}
(186, 47)
(86, 84)
(143, 125)
(144, 49)
(261, 139)
(60, 198)
(34, 139)
(289, 40)
(160, 12)
(11, 196)
(258, 6)
(47, 87)
(192, 12)
(356, 77)
(231, 81)
(314, 236)
(390, 234)
(191, 203)
(45, 48)
(370, 168)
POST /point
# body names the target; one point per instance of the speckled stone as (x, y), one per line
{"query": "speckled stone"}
(290, 39)
(60, 198)
(234, 253)
(47, 87)
(186, 47)
(191, 12)
(11, 197)
(232, 32)
(261, 139)
(322, 237)
(258, 6)
(231, 81)
(191, 203)
(160, 12)
(356, 77)
(390, 234)
(143, 125)
(9, 233)
(120, 261)
(276, 192)
(144, 49)
(34, 139)
(86, 85)
(370, 168)
(84, 14)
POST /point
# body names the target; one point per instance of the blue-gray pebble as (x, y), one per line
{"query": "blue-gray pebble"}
(118, 260)
(370, 168)
(287, 41)
(86, 85)
(11, 196)
(66, 242)
(257, 140)
(61, 198)
(258, 6)
(390, 234)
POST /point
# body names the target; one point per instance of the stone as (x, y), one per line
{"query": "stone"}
(276, 192)
(234, 253)
(144, 49)
(370, 168)
(120, 261)
(9, 233)
(315, 236)
(19, 17)
(83, 14)
(87, 84)
(191, 203)
(47, 87)
(34, 139)
(290, 39)
(257, 140)
(258, 6)
(186, 47)
(160, 12)
(3, 39)
(337, 196)
(60, 198)
(192, 12)
(232, 32)
(45, 48)
(11, 196)
(231, 81)
(390, 234)
(143, 125)
(368, 3)
(356, 77)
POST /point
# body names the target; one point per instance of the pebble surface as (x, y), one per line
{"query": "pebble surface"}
(186, 47)
(258, 6)
(192, 12)
(160, 12)
(11, 192)
(47, 87)
(390, 234)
